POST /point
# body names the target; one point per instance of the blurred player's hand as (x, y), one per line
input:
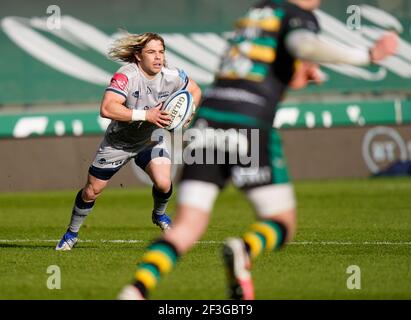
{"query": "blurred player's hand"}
(159, 117)
(305, 73)
(386, 46)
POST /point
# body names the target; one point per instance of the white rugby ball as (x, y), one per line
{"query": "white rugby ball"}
(180, 107)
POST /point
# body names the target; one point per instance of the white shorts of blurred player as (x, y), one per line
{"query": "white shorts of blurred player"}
(267, 201)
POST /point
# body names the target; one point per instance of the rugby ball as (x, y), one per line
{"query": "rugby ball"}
(180, 107)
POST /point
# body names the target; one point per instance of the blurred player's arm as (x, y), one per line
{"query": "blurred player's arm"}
(112, 107)
(307, 45)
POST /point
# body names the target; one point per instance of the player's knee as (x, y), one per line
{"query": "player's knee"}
(287, 221)
(276, 203)
(91, 192)
(163, 185)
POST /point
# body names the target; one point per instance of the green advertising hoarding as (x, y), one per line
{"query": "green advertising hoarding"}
(306, 115)
(46, 60)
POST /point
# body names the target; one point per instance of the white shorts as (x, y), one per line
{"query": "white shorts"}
(109, 160)
(267, 200)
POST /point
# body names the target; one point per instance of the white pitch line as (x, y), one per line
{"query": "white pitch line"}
(340, 243)
(301, 243)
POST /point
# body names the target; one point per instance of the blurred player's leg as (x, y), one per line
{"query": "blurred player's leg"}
(195, 202)
(275, 207)
(238, 270)
(83, 205)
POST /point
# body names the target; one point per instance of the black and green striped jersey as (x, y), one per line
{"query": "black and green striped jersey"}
(256, 68)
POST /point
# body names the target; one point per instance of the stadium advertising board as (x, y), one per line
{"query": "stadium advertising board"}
(47, 62)
(302, 115)
(318, 153)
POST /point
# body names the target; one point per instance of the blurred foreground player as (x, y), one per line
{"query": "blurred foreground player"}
(275, 46)
(132, 101)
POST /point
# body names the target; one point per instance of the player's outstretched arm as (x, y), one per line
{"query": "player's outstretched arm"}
(306, 45)
(387, 45)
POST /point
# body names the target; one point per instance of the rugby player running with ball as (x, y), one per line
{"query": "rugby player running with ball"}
(132, 101)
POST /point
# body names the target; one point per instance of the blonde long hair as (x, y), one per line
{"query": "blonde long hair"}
(127, 46)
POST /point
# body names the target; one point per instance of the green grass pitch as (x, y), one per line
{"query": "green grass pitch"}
(340, 223)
